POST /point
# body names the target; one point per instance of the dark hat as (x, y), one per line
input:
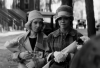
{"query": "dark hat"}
(64, 10)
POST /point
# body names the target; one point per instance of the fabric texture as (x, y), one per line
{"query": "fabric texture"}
(21, 44)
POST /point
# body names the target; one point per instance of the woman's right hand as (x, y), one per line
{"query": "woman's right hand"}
(25, 55)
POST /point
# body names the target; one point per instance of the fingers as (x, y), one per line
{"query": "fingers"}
(25, 55)
(60, 58)
(56, 53)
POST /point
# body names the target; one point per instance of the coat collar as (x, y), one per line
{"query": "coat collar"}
(72, 32)
(41, 33)
(39, 41)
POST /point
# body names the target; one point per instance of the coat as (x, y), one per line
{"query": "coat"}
(57, 41)
(22, 43)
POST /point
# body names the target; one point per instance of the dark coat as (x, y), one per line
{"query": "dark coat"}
(57, 41)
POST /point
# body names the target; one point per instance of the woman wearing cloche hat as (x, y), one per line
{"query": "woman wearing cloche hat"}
(61, 38)
(28, 49)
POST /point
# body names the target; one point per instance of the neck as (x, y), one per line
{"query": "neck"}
(33, 34)
(65, 30)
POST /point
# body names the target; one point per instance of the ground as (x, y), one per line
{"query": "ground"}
(5, 55)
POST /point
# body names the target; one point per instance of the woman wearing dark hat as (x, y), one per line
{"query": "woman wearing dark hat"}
(61, 38)
(28, 49)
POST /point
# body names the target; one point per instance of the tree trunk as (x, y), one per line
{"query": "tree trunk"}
(50, 1)
(90, 18)
(67, 2)
(37, 5)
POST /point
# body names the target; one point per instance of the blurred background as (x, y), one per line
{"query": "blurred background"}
(13, 13)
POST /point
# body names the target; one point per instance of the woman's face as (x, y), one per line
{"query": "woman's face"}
(37, 25)
(64, 22)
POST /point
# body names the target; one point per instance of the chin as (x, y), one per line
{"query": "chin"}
(63, 27)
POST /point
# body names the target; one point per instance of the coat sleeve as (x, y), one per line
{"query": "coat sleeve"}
(48, 51)
(13, 46)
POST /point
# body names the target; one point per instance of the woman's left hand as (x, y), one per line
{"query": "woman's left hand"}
(60, 57)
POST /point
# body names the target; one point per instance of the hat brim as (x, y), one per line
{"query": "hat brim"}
(62, 16)
(27, 25)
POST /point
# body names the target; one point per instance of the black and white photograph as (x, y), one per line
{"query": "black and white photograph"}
(49, 33)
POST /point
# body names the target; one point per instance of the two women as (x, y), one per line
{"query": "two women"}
(34, 41)
(62, 38)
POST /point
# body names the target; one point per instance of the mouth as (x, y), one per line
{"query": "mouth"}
(63, 24)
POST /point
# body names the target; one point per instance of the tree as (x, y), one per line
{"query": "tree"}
(67, 2)
(50, 1)
(37, 4)
(90, 18)
(0, 4)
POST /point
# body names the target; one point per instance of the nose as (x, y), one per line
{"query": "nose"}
(38, 25)
(62, 20)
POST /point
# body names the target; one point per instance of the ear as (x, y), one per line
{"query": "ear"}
(43, 27)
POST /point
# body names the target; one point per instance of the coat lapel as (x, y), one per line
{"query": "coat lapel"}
(39, 42)
(28, 45)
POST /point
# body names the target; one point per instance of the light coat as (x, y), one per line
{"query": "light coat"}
(22, 43)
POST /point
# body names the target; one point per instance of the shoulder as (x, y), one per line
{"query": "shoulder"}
(15, 41)
(77, 33)
(54, 33)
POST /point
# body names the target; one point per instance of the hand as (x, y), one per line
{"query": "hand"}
(85, 38)
(79, 47)
(25, 55)
(59, 57)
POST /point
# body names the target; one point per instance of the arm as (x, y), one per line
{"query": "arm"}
(48, 50)
(13, 46)
(68, 49)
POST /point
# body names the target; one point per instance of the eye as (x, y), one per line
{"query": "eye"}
(35, 22)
